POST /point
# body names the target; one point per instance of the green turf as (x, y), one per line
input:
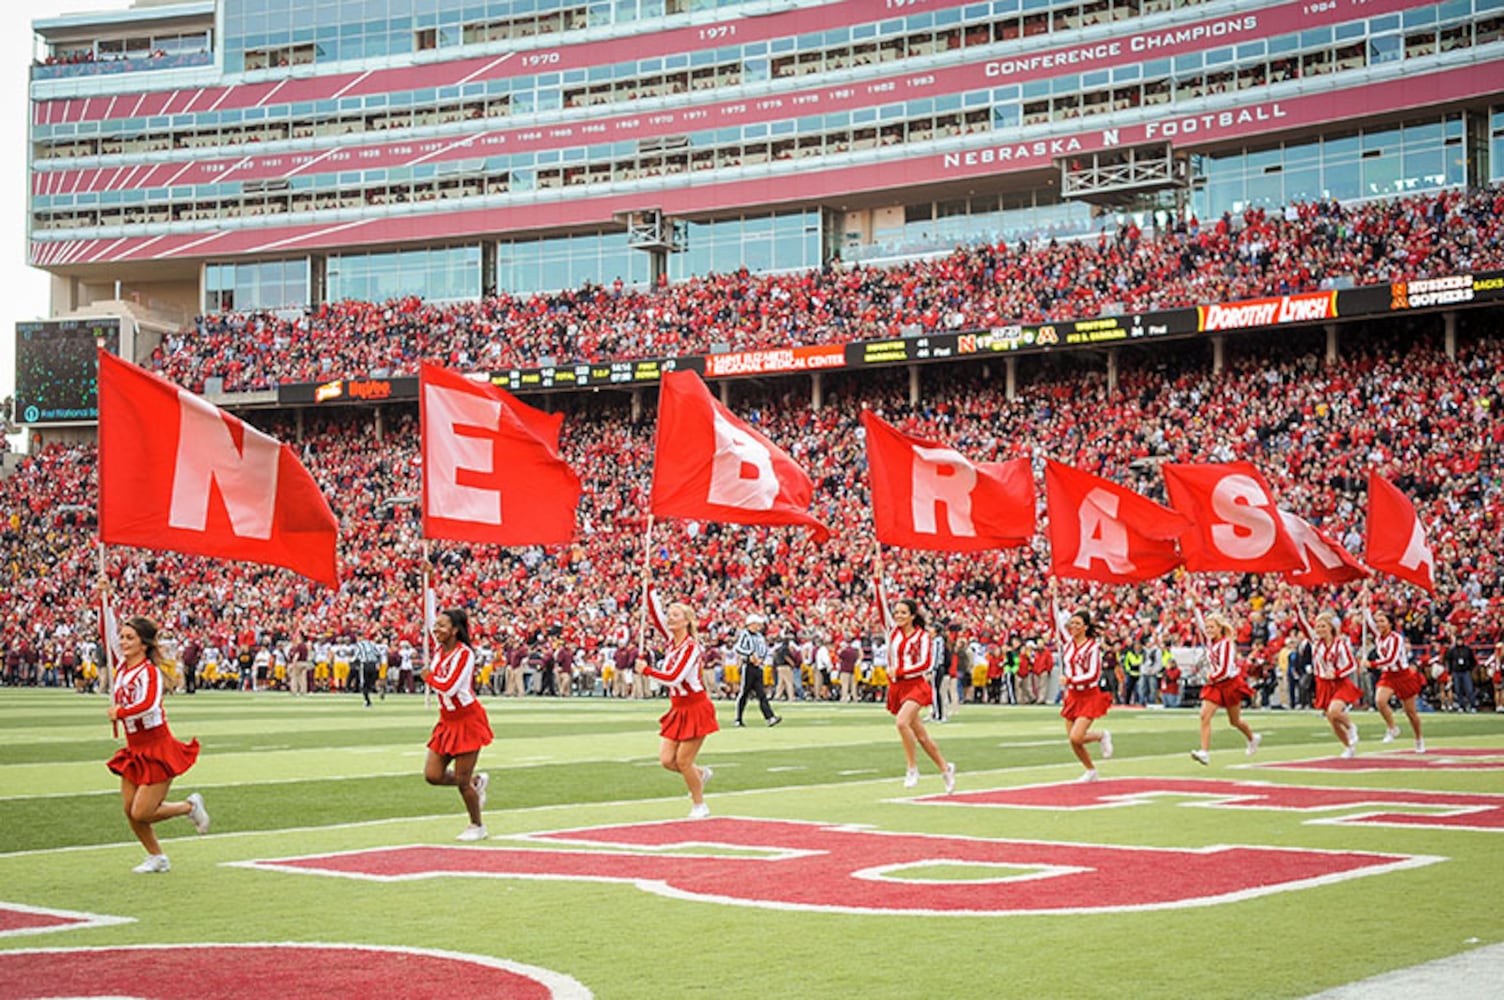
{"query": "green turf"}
(286, 777)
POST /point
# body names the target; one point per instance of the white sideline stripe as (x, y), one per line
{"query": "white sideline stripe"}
(677, 798)
(1469, 975)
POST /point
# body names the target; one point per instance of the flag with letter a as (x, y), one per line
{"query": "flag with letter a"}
(1106, 532)
(1235, 526)
(177, 473)
(1396, 540)
(926, 495)
(711, 465)
(491, 466)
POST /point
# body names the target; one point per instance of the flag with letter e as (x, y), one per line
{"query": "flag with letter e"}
(1106, 532)
(708, 464)
(491, 466)
(926, 495)
(1396, 540)
(177, 473)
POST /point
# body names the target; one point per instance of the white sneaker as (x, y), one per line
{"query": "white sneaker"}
(1106, 745)
(949, 774)
(706, 773)
(1091, 775)
(1201, 757)
(1390, 734)
(1352, 736)
(1348, 752)
(153, 863)
(197, 813)
(911, 778)
(1253, 744)
(699, 811)
(473, 832)
(1420, 746)
(481, 781)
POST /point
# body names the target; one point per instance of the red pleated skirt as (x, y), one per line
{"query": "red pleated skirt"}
(1404, 683)
(153, 756)
(1091, 703)
(1230, 692)
(915, 689)
(1328, 691)
(689, 717)
(465, 730)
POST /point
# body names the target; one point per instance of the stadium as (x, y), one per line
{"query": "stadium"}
(1119, 235)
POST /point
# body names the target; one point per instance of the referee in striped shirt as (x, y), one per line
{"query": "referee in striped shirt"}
(751, 649)
(369, 658)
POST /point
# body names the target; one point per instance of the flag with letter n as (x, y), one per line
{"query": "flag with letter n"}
(491, 466)
(710, 464)
(178, 473)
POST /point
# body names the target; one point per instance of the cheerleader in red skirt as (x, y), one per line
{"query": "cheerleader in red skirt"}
(1225, 687)
(691, 715)
(1396, 679)
(911, 660)
(152, 757)
(1081, 676)
(1335, 667)
(463, 727)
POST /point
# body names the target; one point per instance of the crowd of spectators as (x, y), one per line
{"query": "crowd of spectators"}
(1252, 254)
(1394, 402)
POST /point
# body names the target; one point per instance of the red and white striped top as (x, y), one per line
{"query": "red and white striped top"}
(680, 672)
(1392, 654)
(1333, 660)
(1221, 654)
(453, 677)
(138, 697)
(1083, 663)
(909, 656)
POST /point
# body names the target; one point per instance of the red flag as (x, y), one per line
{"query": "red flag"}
(1323, 559)
(926, 495)
(1396, 540)
(491, 467)
(1235, 526)
(177, 473)
(709, 464)
(1106, 532)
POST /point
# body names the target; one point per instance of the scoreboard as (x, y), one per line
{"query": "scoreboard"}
(57, 373)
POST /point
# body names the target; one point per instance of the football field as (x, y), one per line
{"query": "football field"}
(331, 867)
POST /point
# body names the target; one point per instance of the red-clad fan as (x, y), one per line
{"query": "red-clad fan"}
(1081, 676)
(1335, 668)
(910, 661)
(691, 715)
(463, 727)
(1225, 686)
(152, 757)
(1396, 679)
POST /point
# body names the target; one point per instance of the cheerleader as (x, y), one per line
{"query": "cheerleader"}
(1335, 667)
(910, 655)
(1225, 686)
(1082, 676)
(463, 727)
(152, 757)
(1396, 679)
(691, 715)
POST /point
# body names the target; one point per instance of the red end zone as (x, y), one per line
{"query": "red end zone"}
(811, 866)
(1461, 759)
(18, 919)
(289, 971)
(1446, 810)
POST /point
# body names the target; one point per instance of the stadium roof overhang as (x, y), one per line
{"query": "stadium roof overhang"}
(72, 26)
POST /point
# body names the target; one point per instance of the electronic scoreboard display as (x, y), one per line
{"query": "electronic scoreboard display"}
(57, 373)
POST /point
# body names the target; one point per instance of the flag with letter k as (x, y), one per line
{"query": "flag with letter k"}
(180, 474)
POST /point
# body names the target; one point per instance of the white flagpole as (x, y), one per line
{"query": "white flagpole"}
(109, 635)
(429, 613)
(642, 610)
